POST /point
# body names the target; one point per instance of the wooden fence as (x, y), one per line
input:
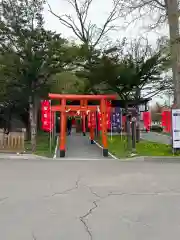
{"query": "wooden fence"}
(14, 141)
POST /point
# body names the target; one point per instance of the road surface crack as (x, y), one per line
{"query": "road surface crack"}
(83, 219)
(2, 200)
(94, 193)
(68, 190)
(34, 237)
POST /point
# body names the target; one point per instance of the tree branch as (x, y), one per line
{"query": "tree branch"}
(67, 24)
(87, 31)
(156, 10)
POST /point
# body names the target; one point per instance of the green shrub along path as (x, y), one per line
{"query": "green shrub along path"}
(118, 146)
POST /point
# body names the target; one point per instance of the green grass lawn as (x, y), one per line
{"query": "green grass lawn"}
(118, 147)
(43, 147)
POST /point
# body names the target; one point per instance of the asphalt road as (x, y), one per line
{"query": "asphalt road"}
(81, 200)
(156, 137)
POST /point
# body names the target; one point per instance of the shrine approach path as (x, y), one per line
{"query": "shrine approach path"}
(78, 147)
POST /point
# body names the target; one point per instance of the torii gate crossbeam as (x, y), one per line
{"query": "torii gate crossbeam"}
(63, 108)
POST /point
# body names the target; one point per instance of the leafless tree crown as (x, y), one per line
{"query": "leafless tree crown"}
(87, 31)
(155, 10)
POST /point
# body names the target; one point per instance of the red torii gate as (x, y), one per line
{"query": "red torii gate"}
(63, 108)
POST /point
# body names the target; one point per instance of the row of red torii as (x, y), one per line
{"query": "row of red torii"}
(64, 109)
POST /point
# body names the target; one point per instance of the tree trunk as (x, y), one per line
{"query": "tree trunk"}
(138, 95)
(7, 126)
(33, 123)
(28, 129)
(173, 19)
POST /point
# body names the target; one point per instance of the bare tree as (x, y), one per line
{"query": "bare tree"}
(153, 62)
(88, 32)
(160, 12)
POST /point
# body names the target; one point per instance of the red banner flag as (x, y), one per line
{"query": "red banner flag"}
(108, 121)
(108, 116)
(163, 120)
(47, 117)
(89, 120)
(123, 119)
(166, 121)
(169, 124)
(147, 120)
(92, 120)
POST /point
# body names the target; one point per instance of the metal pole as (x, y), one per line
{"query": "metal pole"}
(50, 139)
(111, 127)
(138, 125)
(54, 125)
(121, 123)
(128, 130)
(134, 134)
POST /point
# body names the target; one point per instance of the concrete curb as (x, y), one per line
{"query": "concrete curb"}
(162, 159)
(151, 159)
(158, 159)
(82, 159)
(7, 156)
(132, 159)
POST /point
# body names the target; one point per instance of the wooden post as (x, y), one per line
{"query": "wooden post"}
(104, 128)
(63, 129)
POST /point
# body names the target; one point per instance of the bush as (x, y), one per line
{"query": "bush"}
(156, 128)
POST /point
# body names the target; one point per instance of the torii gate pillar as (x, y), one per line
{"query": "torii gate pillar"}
(83, 108)
(104, 128)
(63, 128)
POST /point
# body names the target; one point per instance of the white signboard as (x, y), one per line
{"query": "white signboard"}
(176, 127)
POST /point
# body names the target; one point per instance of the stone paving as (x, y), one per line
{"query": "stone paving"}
(79, 147)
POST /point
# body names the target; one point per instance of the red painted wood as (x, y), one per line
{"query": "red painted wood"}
(71, 108)
(81, 97)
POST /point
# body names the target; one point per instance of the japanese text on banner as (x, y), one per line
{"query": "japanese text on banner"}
(47, 117)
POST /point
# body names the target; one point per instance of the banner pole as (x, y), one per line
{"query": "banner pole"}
(52, 131)
(111, 118)
(121, 123)
(50, 140)
(111, 130)
(54, 125)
